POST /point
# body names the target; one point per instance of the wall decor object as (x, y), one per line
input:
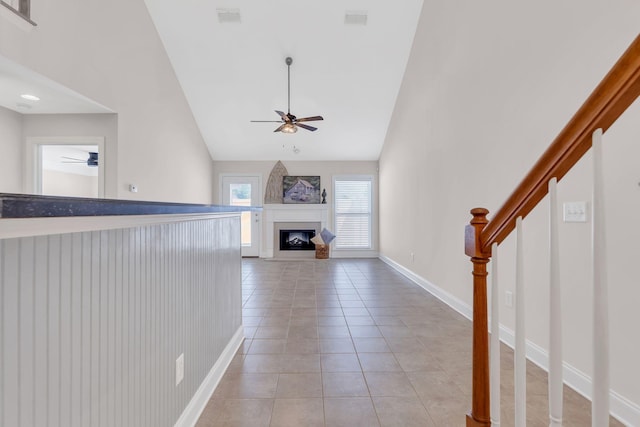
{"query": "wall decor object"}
(273, 192)
(301, 189)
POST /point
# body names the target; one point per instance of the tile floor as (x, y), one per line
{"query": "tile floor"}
(353, 343)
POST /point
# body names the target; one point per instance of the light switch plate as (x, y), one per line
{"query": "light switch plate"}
(508, 299)
(575, 212)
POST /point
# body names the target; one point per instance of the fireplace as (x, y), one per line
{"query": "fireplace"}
(292, 240)
(297, 240)
(278, 217)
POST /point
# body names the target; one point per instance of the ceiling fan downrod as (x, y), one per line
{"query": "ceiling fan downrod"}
(289, 122)
(288, 61)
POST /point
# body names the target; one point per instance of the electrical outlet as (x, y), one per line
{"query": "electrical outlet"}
(179, 369)
(508, 299)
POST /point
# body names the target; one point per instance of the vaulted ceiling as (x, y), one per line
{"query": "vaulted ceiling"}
(349, 59)
(229, 58)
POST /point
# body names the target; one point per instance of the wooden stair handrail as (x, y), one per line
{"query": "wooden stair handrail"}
(615, 93)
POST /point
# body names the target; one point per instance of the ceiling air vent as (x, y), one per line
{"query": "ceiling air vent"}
(355, 17)
(228, 16)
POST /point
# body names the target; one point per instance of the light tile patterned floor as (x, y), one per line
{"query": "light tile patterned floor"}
(354, 343)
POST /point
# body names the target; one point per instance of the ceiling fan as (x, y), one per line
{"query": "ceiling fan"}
(290, 123)
(91, 161)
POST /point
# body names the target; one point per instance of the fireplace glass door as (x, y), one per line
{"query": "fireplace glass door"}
(297, 240)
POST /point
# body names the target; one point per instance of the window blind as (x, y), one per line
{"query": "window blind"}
(353, 213)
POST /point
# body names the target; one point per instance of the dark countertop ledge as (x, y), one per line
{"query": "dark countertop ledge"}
(36, 206)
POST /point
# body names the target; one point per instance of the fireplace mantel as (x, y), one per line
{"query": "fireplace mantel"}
(273, 213)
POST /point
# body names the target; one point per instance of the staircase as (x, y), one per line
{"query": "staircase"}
(615, 93)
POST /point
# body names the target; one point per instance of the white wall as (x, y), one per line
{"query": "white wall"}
(325, 169)
(487, 88)
(10, 151)
(110, 52)
(57, 183)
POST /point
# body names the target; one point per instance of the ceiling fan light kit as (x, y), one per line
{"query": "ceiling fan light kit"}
(287, 128)
(290, 123)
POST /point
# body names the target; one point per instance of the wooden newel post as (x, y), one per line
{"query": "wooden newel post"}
(480, 413)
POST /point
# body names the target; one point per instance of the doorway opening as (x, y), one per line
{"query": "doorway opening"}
(69, 170)
(246, 191)
(67, 166)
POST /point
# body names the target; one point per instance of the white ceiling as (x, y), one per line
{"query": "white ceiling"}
(16, 80)
(232, 73)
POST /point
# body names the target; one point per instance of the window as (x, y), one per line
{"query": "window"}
(352, 212)
(21, 7)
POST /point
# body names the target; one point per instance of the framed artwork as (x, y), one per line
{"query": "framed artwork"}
(301, 189)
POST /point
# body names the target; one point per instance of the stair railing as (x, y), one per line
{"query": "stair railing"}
(615, 93)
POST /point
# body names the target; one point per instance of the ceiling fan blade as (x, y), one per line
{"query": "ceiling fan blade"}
(310, 119)
(307, 127)
(289, 122)
(283, 115)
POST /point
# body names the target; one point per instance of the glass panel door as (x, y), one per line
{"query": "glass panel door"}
(245, 191)
(241, 196)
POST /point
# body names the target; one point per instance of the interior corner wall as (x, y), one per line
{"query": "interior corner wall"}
(325, 169)
(484, 93)
(111, 53)
(10, 151)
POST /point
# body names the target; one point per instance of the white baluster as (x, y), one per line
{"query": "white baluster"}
(600, 404)
(495, 339)
(555, 313)
(520, 357)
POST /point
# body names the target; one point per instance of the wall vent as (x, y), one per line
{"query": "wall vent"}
(355, 17)
(228, 16)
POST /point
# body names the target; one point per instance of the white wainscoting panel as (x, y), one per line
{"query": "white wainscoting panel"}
(92, 322)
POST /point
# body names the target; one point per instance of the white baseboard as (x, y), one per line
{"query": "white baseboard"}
(444, 296)
(621, 408)
(349, 253)
(201, 397)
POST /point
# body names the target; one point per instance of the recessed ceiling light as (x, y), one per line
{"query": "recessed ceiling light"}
(29, 97)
